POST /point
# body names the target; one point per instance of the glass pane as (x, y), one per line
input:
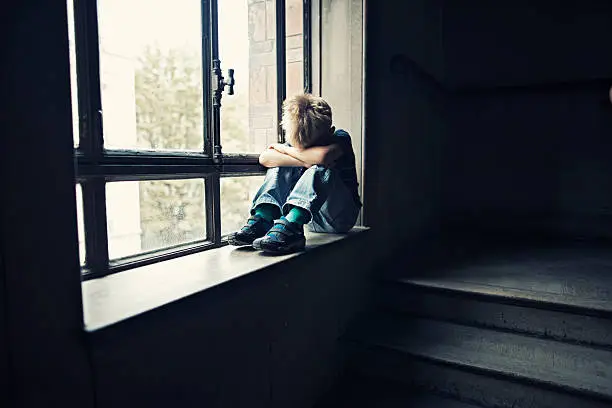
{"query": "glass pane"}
(247, 32)
(154, 214)
(151, 74)
(294, 31)
(73, 76)
(237, 194)
(80, 223)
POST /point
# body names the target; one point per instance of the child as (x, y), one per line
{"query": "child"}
(310, 180)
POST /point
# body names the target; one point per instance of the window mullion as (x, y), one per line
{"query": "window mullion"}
(307, 38)
(213, 183)
(216, 79)
(206, 76)
(281, 60)
(96, 235)
(213, 208)
(315, 46)
(91, 142)
(88, 77)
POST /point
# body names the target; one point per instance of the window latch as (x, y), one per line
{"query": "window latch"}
(231, 82)
(219, 83)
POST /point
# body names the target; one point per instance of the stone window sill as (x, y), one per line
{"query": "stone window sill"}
(122, 296)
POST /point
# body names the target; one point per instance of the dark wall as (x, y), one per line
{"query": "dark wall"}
(49, 365)
(489, 117)
(266, 340)
(4, 351)
(540, 156)
(523, 42)
(405, 123)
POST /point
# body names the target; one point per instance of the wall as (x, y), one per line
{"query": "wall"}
(488, 116)
(524, 43)
(5, 372)
(266, 340)
(262, 64)
(341, 76)
(406, 125)
(38, 215)
(540, 156)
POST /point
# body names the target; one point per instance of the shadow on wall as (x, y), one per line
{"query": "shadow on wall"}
(503, 160)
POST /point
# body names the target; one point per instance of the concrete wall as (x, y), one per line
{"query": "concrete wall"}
(5, 372)
(478, 44)
(488, 116)
(38, 214)
(341, 67)
(266, 340)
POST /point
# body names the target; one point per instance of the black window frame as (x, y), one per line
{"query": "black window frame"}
(95, 165)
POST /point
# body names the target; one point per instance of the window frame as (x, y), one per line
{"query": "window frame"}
(95, 166)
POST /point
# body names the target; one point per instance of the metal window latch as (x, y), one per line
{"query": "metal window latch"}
(218, 86)
(219, 83)
(231, 82)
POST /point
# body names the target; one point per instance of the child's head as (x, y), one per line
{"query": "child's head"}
(307, 120)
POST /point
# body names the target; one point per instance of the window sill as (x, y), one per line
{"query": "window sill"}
(121, 296)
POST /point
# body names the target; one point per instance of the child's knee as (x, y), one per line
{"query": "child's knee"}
(321, 175)
(319, 170)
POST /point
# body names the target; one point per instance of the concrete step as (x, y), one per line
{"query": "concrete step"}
(565, 294)
(569, 278)
(487, 306)
(374, 392)
(487, 367)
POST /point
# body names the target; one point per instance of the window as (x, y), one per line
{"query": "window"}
(173, 101)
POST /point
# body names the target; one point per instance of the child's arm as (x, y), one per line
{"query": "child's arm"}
(319, 155)
(273, 158)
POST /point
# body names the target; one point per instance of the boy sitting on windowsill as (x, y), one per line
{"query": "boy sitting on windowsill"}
(310, 181)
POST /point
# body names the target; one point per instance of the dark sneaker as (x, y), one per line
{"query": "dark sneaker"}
(284, 237)
(256, 227)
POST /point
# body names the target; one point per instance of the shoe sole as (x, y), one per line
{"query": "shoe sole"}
(237, 242)
(280, 250)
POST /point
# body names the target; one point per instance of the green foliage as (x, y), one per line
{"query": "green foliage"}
(169, 116)
(169, 100)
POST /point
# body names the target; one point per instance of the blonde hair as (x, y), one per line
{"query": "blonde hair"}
(306, 118)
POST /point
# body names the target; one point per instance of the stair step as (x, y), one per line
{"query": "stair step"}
(372, 392)
(445, 299)
(482, 389)
(512, 357)
(517, 290)
(567, 278)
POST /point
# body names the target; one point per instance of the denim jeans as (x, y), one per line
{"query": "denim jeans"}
(316, 189)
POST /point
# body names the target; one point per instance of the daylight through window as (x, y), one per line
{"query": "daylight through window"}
(166, 147)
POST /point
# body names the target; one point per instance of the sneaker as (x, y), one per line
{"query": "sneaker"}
(284, 237)
(256, 227)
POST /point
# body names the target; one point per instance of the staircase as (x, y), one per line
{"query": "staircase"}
(521, 329)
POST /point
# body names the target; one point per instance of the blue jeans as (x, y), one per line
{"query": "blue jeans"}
(316, 189)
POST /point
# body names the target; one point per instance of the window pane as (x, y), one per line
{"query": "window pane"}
(294, 31)
(73, 76)
(247, 32)
(151, 74)
(236, 197)
(80, 223)
(154, 214)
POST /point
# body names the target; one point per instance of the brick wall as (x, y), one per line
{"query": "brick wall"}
(262, 64)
